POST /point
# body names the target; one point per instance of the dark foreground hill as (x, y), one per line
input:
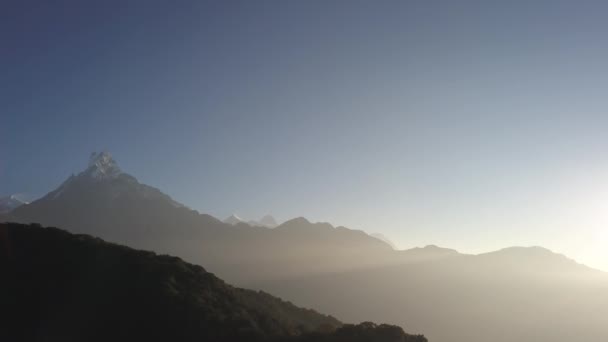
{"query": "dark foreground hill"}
(62, 287)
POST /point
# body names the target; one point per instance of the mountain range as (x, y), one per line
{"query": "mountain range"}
(518, 293)
(106, 202)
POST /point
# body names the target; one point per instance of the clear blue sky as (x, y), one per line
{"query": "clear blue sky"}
(471, 124)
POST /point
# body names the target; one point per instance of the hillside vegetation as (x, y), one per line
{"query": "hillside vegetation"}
(63, 287)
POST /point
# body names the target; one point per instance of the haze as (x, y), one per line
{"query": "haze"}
(472, 125)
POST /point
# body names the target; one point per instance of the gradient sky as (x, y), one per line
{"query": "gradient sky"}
(475, 125)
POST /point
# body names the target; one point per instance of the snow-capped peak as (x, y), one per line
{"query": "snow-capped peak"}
(233, 219)
(266, 221)
(102, 166)
(9, 203)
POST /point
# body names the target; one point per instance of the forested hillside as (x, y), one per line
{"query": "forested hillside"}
(63, 287)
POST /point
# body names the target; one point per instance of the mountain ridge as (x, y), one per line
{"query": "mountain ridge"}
(104, 201)
(137, 214)
(103, 169)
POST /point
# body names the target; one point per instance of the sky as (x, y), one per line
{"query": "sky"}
(475, 125)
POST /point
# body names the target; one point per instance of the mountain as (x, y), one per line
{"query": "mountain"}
(519, 293)
(428, 252)
(63, 287)
(104, 201)
(267, 221)
(531, 260)
(103, 173)
(9, 203)
(233, 219)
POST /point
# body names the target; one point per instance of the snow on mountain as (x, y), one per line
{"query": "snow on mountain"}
(233, 219)
(104, 177)
(267, 221)
(25, 198)
(102, 166)
(9, 203)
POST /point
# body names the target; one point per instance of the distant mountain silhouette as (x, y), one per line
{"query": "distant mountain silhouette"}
(62, 287)
(539, 295)
(516, 294)
(429, 252)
